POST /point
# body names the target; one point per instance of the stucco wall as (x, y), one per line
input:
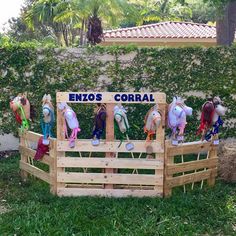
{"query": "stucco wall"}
(8, 142)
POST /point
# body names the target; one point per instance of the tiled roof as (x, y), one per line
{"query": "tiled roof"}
(164, 30)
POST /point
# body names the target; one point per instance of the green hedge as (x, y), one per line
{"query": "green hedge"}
(174, 71)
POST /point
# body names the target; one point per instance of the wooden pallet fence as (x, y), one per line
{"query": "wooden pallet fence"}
(27, 155)
(119, 177)
(204, 169)
(124, 184)
(133, 174)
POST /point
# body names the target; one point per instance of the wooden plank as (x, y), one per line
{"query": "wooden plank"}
(32, 136)
(169, 160)
(74, 192)
(106, 178)
(86, 146)
(119, 163)
(189, 178)
(59, 153)
(160, 138)
(111, 97)
(110, 136)
(190, 148)
(35, 171)
(191, 165)
(212, 155)
(23, 158)
(31, 153)
(53, 167)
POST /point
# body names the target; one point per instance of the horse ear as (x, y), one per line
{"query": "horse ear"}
(44, 97)
(49, 98)
(174, 99)
(217, 100)
(179, 99)
(62, 105)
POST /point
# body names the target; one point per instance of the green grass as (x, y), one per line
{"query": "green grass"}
(34, 211)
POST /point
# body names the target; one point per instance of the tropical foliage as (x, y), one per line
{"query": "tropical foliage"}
(73, 22)
(191, 72)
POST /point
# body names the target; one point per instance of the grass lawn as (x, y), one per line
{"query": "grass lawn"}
(32, 210)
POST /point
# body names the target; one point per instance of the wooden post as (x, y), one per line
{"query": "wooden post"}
(61, 154)
(212, 154)
(168, 161)
(24, 158)
(53, 166)
(109, 136)
(160, 137)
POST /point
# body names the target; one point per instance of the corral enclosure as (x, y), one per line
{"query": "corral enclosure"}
(112, 170)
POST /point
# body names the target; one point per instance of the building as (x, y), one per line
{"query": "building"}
(171, 34)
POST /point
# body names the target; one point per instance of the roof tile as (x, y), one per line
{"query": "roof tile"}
(165, 30)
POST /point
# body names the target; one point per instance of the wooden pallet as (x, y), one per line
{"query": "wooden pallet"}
(111, 176)
(110, 179)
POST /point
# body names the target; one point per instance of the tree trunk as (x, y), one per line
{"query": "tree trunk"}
(65, 35)
(226, 25)
(59, 38)
(85, 30)
(82, 34)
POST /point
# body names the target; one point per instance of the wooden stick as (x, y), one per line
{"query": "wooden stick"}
(132, 155)
(160, 138)
(110, 136)
(182, 159)
(198, 156)
(60, 154)
(202, 182)
(53, 166)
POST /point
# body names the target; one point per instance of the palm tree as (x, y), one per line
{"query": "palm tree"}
(73, 13)
(96, 11)
(43, 12)
(69, 15)
(64, 18)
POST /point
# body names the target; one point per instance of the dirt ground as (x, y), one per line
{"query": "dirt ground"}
(7, 154)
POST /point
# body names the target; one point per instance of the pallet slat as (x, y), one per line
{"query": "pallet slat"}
(85, 146)
(119, 163)
(31, 153)
(190, 178)
(108, 192)
(106, 178)
(32, 136)
(190, 148)
(35, 171)
(191, 165)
